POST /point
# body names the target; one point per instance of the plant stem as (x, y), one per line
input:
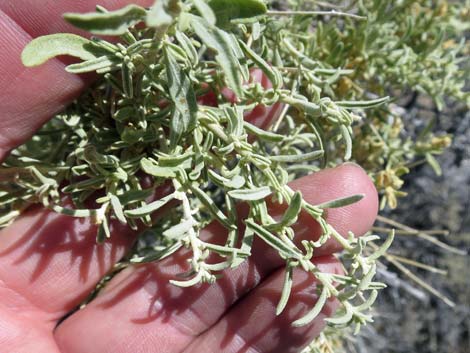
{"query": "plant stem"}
(316, 13)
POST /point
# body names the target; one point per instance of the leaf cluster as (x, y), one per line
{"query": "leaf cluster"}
(144, 137)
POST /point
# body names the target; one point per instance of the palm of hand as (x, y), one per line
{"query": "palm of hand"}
(49, 263)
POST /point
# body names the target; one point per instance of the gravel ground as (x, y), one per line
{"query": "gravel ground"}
(409, 318)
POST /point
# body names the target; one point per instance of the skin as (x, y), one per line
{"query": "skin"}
(49, 262)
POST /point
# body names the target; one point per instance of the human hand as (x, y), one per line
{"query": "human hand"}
(49, 262)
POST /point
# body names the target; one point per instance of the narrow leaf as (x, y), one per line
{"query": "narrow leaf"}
(101, 234)
(286, 289)
(344, 319)
(226, 250)
(247, 243)
(41, 49)
(108, 23)
(127, 81)
(272, 240)
(347, 141)
(363, 104)
(159, 255)
(176, 159)
(295, 158)
(368, 303)
(235, 183)
(149, 208)
(308, 107)
(205, 11)
(223, 44)
(235, 120)
(135, 195)
(312, 314)
(187, 46)
(383, 248)
(189, 283)
(179, 230)
(92, 183)
(433, 163)
(162, 13)
(72, 212)
(275, 79)
(295, 205)
(365, 281)
(251, 194)
(345, 201)
(263, 134)
(183, 97)
(208, 202)
(117, 207)
(225, 11)
(102, 63)
(151, 168)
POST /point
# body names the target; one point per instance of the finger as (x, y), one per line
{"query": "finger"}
(38, 18)
(252, 325)
(330, 184)
(56, 259)
(20, 329)
(58, 256)
(31, 96)
(162, 315)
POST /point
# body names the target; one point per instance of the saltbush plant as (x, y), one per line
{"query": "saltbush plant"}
(172, 108)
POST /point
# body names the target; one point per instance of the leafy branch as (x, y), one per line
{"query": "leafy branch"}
(171, 106)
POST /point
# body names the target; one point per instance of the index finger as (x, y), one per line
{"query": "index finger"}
(170, 317)
(31, 96)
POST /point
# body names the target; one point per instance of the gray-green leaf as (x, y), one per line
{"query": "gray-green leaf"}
(205, 11)
(363, 104)
(105, 62)
(149, 167)
(188, 47)
(41, 49)
(295, 158)
(313, 313)
(135, 195)
(235, 120)
(347, 141)
(212, 207)
(162, 13)
(226, 48)
(344, 201)
(149, 208)
(226, 250)
(295, 205)
(433, 163)
(108, 23)
(235, 183)
(117, 207)
(286, 290)
(179, 230)
(383, 248)
(159, 255)
(263, 134)
(247, 243)
(183, 97)
(225, 11)
(284, 249)
(274, 76)
(251, 194)
(308, 107)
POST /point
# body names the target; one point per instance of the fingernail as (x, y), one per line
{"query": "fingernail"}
(353, 164)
